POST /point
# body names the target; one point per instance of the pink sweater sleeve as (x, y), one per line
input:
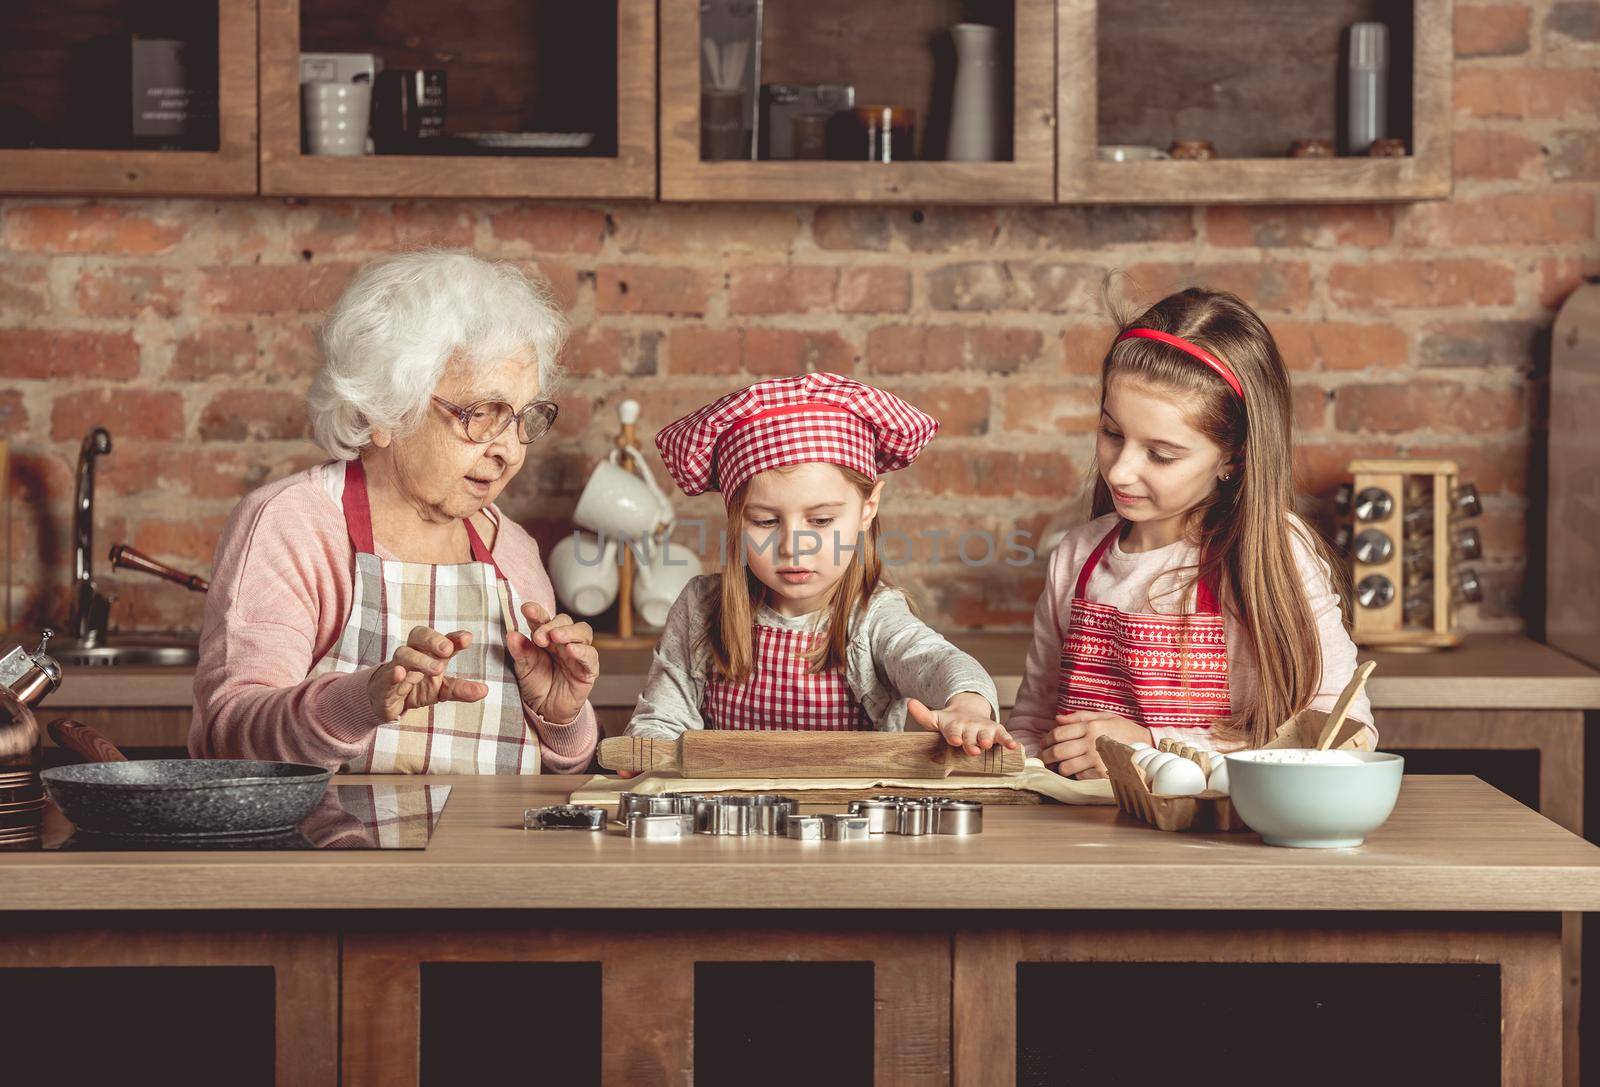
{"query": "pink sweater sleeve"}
(281, 590)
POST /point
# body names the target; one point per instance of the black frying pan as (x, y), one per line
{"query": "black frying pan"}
(176, 797)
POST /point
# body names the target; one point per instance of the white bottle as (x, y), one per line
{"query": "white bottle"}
(1369, 87)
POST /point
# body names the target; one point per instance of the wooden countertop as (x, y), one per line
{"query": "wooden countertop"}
(1453, 843)
(1495, 671)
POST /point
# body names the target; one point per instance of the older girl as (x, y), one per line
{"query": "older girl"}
(1195, 605)
(800, 630)
(377, 612)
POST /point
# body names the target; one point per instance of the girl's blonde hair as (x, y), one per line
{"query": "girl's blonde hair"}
(733, 613)
(1243, 528)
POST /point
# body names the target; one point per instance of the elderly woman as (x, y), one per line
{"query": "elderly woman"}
(377, 612)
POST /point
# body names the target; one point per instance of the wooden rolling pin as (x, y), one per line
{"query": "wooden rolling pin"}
(733, 754)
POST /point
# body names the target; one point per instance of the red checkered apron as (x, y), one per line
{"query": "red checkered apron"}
(490, 736)
(781, 694)
(1157, 670)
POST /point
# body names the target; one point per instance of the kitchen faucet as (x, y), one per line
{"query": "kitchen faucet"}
(91, 609)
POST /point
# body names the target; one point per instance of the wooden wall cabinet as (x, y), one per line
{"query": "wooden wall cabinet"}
(1248, 74)
(32, 68)
(483, 52)
(885, 49)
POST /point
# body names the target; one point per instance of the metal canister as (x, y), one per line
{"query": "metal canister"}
(883, 813)
(804, 828)
(671, 827)
(842, 827)
(954, 816)
(565, 817)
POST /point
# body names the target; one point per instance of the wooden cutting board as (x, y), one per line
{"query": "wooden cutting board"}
(718, 754)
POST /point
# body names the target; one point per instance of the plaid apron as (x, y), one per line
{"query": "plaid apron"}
(780, 694)
(1157, 670)
(486, 737)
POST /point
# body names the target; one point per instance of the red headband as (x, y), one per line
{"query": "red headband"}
(1219, 367)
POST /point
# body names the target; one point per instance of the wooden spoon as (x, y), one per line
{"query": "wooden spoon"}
(1330, 728)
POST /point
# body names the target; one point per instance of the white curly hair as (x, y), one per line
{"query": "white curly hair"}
(403, 319)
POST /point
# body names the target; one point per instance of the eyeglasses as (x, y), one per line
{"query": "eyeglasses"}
(486, 420)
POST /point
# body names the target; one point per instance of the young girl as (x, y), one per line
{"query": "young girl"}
(800, 630)
(1195, 605)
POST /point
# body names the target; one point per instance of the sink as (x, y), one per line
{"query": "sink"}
(133, 650)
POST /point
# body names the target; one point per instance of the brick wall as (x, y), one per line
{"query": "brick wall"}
(187, 328)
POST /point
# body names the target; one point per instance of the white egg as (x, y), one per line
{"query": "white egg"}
(1152, 766)
(1145, 756)
(1139, 746)
(1218, 782)
(1180, 777)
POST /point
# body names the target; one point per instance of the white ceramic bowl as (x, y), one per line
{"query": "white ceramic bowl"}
(1310, 805)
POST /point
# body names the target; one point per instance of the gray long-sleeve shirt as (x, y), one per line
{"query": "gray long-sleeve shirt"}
(893, 657)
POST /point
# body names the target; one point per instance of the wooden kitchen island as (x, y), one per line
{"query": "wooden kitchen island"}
(935, 937)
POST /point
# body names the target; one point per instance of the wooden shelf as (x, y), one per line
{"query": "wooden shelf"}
(1423, 175)
(229, 170)
(630, 173)
(1029, 177)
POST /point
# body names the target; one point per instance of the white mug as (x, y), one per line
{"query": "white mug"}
(335, 117)
(617, 504)
(584, 573)
(1129, 152)
(659, 581)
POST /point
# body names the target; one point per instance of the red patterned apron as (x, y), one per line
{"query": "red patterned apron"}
(781, 694)
(1157, 670)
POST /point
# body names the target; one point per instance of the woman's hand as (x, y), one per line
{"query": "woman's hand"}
(557, 666)
(1069, 747)
(964, 722)
(415, 677)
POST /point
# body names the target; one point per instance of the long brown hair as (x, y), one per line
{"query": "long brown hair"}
(728, 630)
(1243, 528)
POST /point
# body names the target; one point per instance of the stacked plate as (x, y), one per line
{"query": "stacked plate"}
(22, 804)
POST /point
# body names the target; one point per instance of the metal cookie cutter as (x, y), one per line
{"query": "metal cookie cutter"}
(954, 816)
(840, 827)
(564, 817)
(769, 812)
(882, 812)
(805, 828)
(630, 804)
(719, 815)
(670, 827)
(915, 817)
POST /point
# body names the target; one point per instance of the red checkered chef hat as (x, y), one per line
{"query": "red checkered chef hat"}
(793, 420)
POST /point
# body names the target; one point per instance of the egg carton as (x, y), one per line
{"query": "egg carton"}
(1208, 810)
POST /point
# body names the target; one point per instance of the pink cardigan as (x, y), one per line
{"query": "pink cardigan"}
(281, 590)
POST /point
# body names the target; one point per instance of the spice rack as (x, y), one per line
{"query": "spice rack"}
(1405, 546)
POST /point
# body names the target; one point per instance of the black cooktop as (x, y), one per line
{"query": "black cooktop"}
(397, 816)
